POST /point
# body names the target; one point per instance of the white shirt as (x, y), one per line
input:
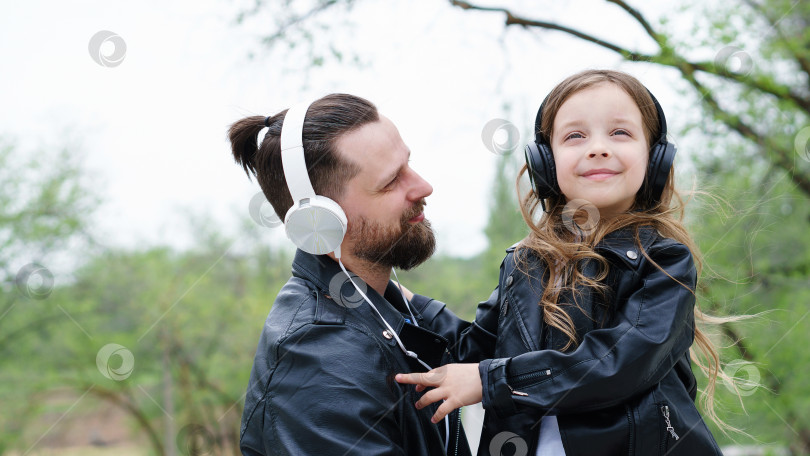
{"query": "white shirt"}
(549, 442)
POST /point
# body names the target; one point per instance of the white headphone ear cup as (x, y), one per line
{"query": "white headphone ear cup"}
(317, 226)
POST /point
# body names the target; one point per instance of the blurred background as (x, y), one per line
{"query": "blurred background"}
(138, 263)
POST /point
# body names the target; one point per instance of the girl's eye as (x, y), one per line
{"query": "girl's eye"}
(574, 136)
(621, 132)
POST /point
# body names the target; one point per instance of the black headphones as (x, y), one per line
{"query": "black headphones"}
(543, 172)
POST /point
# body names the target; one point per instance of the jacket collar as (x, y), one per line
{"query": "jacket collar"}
(329, 278)
(622, 244)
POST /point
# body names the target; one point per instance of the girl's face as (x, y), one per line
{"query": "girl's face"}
(600, 149)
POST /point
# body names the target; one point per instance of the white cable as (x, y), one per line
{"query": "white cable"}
(396, 337)
(413, 318)
(407, 303)
(408, 353)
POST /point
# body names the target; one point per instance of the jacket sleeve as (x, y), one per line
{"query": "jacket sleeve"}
(327, 394)
(468, 341)
(652, 329)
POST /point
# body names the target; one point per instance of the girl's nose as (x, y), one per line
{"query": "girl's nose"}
(599, 148)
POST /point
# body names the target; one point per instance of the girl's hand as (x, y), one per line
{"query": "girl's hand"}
(457, 384)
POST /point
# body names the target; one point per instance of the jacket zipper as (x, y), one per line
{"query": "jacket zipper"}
(526, 379)
(665, 412)
(458, 429)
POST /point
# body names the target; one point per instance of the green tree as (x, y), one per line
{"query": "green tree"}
(184, 325)
(45, 205)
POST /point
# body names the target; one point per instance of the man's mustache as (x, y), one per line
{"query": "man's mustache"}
(414, 211)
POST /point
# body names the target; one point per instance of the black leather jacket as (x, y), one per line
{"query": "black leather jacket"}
(323, 379)
(627, 389)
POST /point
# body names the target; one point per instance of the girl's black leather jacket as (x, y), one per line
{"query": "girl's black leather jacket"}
(626, 389)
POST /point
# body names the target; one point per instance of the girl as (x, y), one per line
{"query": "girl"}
(584, 347)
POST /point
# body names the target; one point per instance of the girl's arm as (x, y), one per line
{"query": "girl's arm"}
(468, 341)
(654, 330)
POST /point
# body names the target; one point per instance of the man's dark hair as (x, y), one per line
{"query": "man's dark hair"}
(327, 120)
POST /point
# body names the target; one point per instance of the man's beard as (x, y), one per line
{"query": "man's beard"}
(404, 247)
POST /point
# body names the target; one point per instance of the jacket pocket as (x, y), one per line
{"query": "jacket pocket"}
(668, 432)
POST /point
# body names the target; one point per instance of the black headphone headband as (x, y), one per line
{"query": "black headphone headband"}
(543, 173)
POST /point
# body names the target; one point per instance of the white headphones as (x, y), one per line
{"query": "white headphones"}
(314, 223)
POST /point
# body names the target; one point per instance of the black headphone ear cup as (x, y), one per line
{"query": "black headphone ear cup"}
(661, 158)
(542, 172)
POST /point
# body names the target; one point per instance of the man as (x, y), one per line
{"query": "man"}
(322, 380)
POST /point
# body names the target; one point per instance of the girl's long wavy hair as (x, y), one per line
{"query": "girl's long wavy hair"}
(553, 236)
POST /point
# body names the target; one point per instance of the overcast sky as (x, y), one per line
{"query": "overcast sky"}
(152, 127)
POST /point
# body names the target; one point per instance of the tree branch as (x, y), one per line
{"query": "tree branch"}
(135, 412)
(768, 148)
(298, 19)
(639, 18)
(804, 64)
(667, 57)
(512, 19)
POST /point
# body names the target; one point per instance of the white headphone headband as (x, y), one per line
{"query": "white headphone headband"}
(292, 153)
(314, 223)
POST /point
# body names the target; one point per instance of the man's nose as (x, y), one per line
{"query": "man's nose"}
(421, 188)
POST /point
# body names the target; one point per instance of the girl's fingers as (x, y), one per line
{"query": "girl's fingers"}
(424, 379)
(442, 411)
(430, 397)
